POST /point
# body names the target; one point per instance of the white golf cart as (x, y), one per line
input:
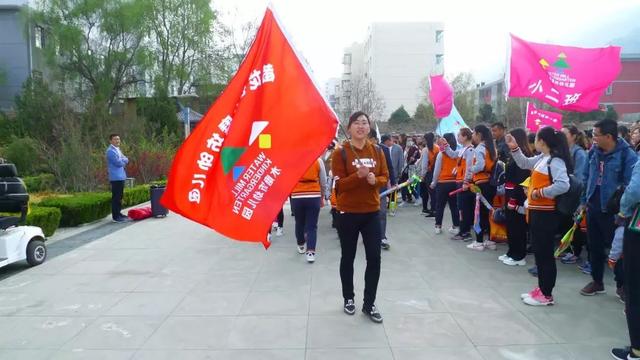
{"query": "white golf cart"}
(17, 242)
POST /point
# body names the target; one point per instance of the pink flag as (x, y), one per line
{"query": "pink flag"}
(537, 118)
(565, 77)
(441, 96)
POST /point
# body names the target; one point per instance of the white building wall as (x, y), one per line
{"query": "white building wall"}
(399, 57)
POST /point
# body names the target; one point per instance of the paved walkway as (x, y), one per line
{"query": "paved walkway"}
(171, 289)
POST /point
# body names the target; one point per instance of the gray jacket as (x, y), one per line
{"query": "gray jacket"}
(540, 163)
(397, 159)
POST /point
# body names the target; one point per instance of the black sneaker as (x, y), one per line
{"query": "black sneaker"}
(349, 307)
(373, 313)
(430, 214)
(623, 354)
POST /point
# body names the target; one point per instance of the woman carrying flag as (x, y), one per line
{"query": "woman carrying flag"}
(549, 178)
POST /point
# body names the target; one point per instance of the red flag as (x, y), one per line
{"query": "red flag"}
(441, 96)
(565, 77)
(270, 124)
(537, 118)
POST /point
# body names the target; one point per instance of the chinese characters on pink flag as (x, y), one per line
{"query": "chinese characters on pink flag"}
(441, 96)
(565, 77)
(537, 118)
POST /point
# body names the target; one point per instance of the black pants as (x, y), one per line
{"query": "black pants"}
(600, 230)
(631, 254)
(466, 205)
(543, 226)
(350, 225)
(618, 272)
(427, 193)
(516, 235)
(579, 242)
(117, 191)
(280, 218)
(489, 192)
(442, 198)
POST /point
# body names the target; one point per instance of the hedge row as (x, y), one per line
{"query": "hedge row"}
(83, 208)
(47, 218)
(42, 182)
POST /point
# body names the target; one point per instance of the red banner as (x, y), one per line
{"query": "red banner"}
(270, 124)
(565, 77)
(537, 118)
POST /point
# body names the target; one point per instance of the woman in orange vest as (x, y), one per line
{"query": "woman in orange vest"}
(484, 158)
(549, 178)
(444, 182)
(427, 162)
(466, 199)
(306, 200)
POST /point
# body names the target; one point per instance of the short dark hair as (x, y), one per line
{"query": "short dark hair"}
(608, 127)
(355, 117)
(498, 124)
(385, 137)
(111, 136)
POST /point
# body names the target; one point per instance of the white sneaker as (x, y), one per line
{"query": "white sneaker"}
(503, 257)
(490, 245)
(311, 257)
(476, 246)
(274, 225)
(279, 232)
(511, 262)
(438, 230)
(302, 249)
(454, 230)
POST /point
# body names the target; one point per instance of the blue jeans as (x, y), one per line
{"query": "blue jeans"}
(306, 211)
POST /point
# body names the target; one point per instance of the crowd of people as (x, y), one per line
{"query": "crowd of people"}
(536, 186)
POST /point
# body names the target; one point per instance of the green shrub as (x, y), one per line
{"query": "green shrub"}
(47, 218)
(24, 153)
(83, 208)
(80, 208)
(39, 183)
(136, 195)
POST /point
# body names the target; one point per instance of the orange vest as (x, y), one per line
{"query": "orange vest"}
(309, 183)
(540, 181)
(432, 156)
(447, 170)
(461, 167)
(484, 175)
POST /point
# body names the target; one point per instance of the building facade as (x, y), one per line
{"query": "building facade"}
(21, 52)
(395, 59)
(624, 93)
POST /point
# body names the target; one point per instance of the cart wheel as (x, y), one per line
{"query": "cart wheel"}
(36, 252)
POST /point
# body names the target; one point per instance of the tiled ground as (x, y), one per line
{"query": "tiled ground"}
(171, 289)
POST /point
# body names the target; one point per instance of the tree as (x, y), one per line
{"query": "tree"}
(424, 116)
(486, 114)
(596, 115)
(37, 110)
(181, 33)
(514, 116)
(100, 43)
(400, 116)
(464, 95)
(361, 95)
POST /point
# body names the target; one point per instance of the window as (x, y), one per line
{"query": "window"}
(439, 59)
(609, 90)
(346, 59)
(39, 37)
(439, 34)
